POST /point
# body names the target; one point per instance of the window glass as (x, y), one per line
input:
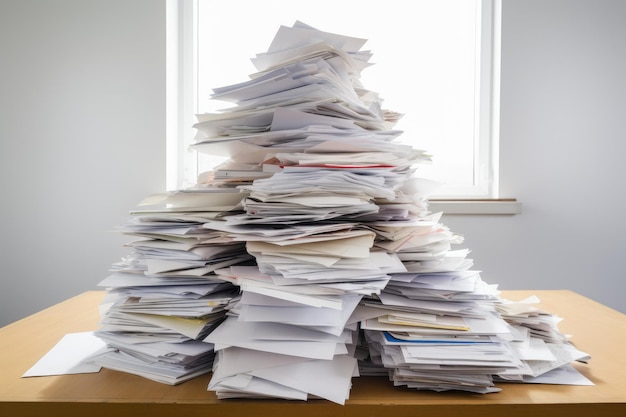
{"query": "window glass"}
(428, 64)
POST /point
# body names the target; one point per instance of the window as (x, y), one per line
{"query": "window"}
(433, 62)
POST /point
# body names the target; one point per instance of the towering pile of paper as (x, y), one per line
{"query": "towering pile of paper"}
(353, 274)
(331, 167)
(310, 256)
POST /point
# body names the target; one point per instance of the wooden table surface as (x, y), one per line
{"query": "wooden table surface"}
(595, 329)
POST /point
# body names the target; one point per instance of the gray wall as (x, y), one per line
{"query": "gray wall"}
(82, 139)
(562, 148)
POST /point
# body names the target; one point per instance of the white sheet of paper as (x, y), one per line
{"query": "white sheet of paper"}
(248, 386)
(322, 378)
(68, 355)
(236, 360)
(564, 354)
(536, 350)
(564, 375)
(254, 336)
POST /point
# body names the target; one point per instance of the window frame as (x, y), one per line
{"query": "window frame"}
(182, 106)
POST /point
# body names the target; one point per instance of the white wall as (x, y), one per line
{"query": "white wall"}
(563, 148)
(82, 107)
(82, 139)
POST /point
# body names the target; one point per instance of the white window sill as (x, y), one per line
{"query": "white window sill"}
(486, 206)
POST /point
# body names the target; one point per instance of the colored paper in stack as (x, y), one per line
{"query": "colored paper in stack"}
(439, 331)
(164, 298)
(440, 327)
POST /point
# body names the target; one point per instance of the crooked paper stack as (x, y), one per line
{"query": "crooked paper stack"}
(315, 248)
(164, 297)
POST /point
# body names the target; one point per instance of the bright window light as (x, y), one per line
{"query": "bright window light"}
(433, 61)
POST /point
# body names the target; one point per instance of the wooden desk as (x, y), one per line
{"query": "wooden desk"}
(596, 329)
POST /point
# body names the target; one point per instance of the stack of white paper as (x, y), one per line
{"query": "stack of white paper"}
(294, 311)
(334, 167)
(336, 218)
(309, 257)
(165, 297)
(434, 326)
(437, 346)
(449, 330)
(545, 351)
